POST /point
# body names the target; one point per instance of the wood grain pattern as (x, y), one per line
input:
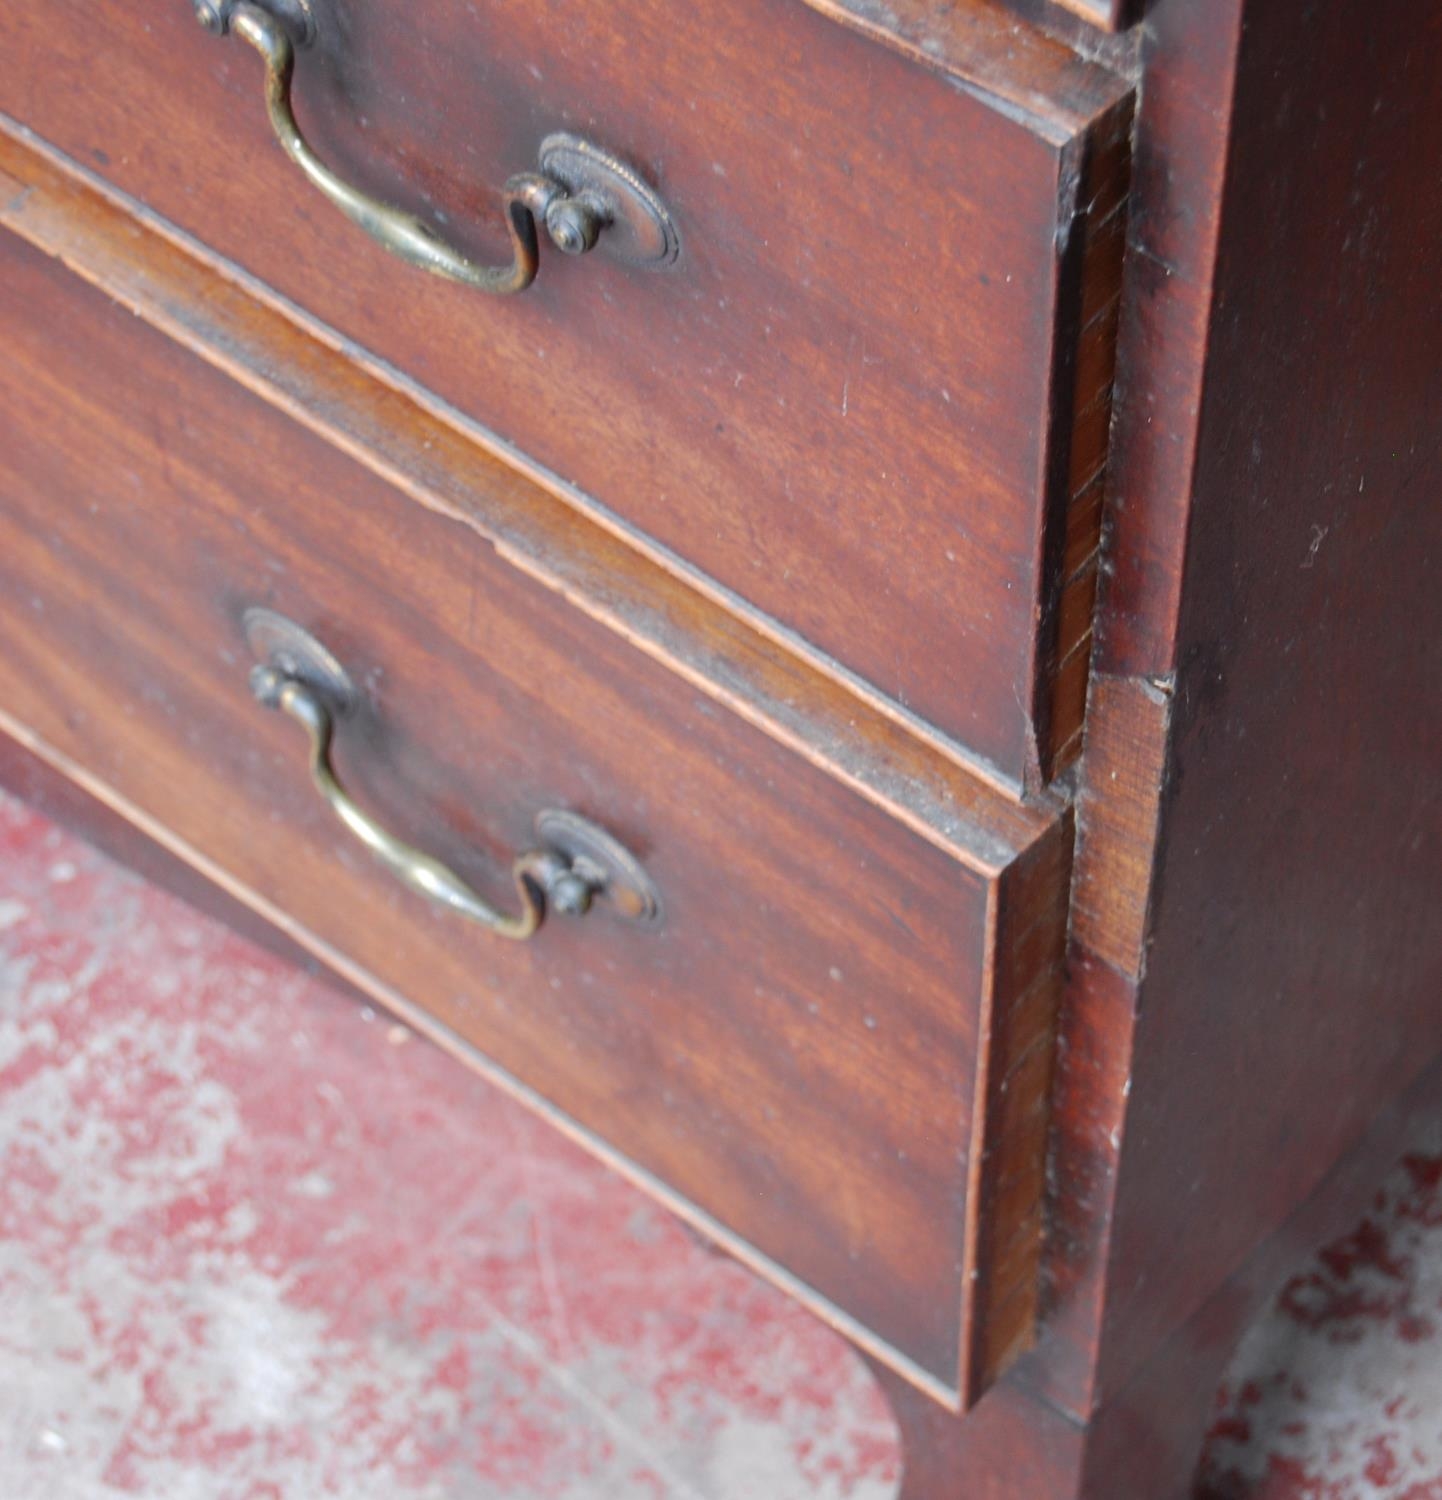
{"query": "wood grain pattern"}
(1014, 1102)
(799, 1051)
(1126, 763)
(1074, 544)
(983, 48)
(1009, 1446)
(1240, 995)
(1254, 942)
(1295, 956)
(1022, 69)
(396, 432)
(855, 386)
(1173, 227)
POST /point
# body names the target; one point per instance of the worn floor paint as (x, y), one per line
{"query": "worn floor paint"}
(257, 1243)
(1338, 1395)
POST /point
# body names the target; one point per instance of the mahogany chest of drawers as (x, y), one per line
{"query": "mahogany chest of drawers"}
(837, 596)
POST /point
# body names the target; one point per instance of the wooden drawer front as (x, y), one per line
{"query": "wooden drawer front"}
(863, 399)
(833, 1048)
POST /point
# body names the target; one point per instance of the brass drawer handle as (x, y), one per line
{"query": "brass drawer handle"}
(582, 194)
(575, 865)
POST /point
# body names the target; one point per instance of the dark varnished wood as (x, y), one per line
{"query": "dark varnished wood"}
(1261, 769)
(354, 404)
(859, 383)
(1021, 69)
(1180, 155)
(1251, 1013)
(1009, 1447)
(1258, 865)
(1147, 1438)
(1295, 951)
(1145, 1441)
(983, 47)
(842, 1026)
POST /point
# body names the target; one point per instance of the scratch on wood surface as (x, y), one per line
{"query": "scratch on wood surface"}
(1319, 535)
(12, 194)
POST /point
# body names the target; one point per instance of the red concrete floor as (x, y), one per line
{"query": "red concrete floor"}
(259, 1243)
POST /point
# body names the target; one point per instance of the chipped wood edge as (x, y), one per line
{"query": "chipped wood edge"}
(983, 48)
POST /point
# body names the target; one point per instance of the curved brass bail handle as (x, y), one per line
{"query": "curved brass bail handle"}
(528, 196)
(535, 873)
